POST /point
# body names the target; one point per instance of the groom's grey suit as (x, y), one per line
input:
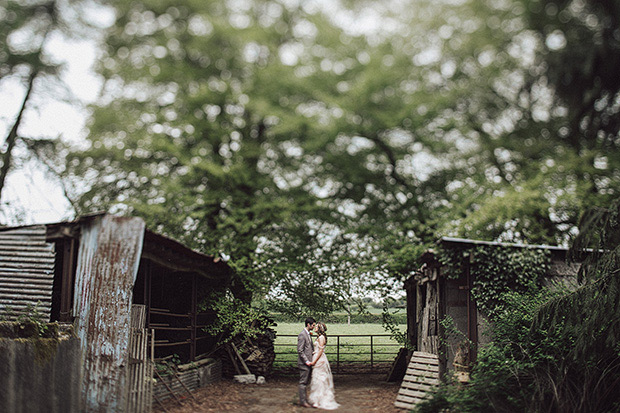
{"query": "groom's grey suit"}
(304, 354)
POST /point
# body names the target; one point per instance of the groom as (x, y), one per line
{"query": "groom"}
(304, 359)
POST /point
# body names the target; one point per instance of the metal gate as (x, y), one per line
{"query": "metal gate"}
(347, 353)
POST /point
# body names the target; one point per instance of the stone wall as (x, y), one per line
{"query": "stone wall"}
(40, 369)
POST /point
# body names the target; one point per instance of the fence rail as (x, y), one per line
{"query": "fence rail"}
(347, 353)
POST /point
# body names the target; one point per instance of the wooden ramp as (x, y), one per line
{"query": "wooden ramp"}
(421, 376)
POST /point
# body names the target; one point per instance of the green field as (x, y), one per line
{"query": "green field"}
(340, 349)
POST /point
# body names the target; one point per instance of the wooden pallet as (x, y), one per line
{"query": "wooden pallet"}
(421, 376)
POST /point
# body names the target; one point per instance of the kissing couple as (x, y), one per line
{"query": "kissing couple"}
(314, 368)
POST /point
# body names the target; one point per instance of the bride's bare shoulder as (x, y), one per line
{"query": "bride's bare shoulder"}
(321, 340)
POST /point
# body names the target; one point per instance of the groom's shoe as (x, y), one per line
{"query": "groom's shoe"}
(305, 405)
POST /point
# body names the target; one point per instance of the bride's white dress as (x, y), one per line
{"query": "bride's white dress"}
(321, 392)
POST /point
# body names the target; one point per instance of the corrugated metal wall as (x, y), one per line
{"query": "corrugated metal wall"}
(26, 271)
(107, 266)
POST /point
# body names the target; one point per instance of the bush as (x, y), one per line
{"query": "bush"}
(527, 368)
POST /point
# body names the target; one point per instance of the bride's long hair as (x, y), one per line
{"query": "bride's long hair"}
(321, 328)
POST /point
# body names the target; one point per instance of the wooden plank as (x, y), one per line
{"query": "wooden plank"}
(425, 354)
(408, 399)
(424, 360)
(421, 376)
(245, 367)
(417, 386)
(402, 405)
(420, 373)
(413, 393)
(417, 372)
(421, 380)
(425, 367)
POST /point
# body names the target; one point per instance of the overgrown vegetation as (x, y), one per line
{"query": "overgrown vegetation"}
(235, 319)
(31, 318)
(496, 270)
(553, 350)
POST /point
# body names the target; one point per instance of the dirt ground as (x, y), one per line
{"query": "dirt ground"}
(355, 393)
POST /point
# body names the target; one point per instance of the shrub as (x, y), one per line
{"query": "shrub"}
(531, 366)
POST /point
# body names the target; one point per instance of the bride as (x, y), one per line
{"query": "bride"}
(321, 393)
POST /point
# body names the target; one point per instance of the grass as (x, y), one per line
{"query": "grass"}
(343, 349)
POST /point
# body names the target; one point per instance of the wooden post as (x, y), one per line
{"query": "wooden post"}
(148, 286)
(338, 355)
(192, 348)
(443, 348)
(68, 269)
(245, 367)
(412, 330)
(232, 359)
(419, 315)
(371, 354)
(472, 316)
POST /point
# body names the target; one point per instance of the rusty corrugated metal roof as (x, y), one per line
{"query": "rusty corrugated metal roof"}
(170, 253)
(26, 271)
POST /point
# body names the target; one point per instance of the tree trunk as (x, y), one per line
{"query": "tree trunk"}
(12, 137)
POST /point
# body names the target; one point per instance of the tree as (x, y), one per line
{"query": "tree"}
(193, 134)
(559, 352)
(25, 58)
(268, 131)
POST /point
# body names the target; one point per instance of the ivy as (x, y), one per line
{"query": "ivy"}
(496, 270)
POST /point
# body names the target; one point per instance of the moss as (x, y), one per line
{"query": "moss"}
(29, 328)
(7, 329)
(43, 338)
(44, 349)
(50, 330)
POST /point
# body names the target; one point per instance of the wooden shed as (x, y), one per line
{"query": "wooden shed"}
(95, 272)
(433, 293)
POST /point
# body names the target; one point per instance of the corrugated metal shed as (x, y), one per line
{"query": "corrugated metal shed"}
(26, 271)
(108, 261)
(85, 271)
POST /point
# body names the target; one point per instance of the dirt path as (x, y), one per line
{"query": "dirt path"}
(355, 393)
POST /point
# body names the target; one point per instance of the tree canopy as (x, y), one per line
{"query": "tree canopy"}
(29, 29)
(321, 154)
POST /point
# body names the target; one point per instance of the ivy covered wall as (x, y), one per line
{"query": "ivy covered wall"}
(495, 270)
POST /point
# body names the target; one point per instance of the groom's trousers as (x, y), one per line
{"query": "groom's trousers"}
(304, 378)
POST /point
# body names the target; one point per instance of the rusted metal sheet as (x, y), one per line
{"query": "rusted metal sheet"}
(171, 254)
(108, 259)
(26, 271)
